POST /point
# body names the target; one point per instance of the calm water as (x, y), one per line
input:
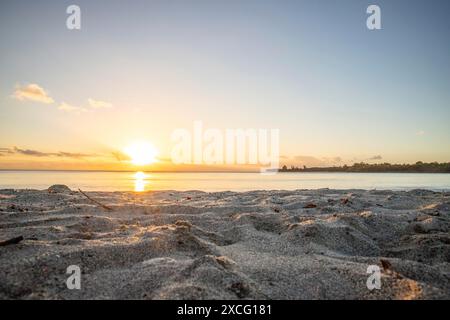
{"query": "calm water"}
(129, 181)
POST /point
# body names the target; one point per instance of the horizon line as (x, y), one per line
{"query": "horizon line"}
(150, 171)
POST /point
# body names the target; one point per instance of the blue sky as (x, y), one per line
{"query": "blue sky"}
(310, 68)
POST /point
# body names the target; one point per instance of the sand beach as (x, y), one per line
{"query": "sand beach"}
(302, 244)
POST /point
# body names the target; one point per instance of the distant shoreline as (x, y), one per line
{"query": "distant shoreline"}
(281, 171)
(418, 167)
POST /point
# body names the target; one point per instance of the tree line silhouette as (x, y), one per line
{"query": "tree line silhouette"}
(418, 167)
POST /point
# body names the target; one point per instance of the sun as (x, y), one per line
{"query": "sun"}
(141, 153)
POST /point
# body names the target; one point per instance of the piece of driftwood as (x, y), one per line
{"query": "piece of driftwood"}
(11, 241)
(385, 264)
(95, 201)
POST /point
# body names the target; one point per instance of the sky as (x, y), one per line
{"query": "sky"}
(138, 70)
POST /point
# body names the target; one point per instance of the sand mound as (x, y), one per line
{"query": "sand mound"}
(59, 188)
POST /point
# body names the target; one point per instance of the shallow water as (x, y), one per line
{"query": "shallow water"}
(131, 181)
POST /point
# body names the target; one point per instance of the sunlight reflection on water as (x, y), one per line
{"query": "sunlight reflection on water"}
(140, 181)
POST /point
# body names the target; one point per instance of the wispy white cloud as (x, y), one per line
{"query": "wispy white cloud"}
(420, 133)
(70, 108)
(98, 104)
(32, 92)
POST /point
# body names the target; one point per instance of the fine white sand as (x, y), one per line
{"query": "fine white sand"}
(304, 244)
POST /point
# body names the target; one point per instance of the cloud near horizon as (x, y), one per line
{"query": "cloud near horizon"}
(32, 92)
(29, 152)
(311, 161)
(74, 155)
(117, 155)
(377, 157)
(121, 156)
(37, 153)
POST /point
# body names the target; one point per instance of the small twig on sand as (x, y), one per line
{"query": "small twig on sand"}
(96, 202)
(11, 241)
(385, 264)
